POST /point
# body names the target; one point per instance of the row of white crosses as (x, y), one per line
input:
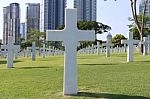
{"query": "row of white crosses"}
(70, 37)
(10, 51)
(102, 48)
(130, 49)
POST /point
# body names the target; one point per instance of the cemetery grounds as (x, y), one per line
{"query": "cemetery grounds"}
(98, 77)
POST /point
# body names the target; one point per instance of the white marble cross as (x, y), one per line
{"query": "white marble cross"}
(17, 51)
(70, 37)
(33, 48)
(98, 48)
(125, 48)
(108, 44)
(10, 51)
(130, 48)
(43, 51)
(148, 44)
(145, 47)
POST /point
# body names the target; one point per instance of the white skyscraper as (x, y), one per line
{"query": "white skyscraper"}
(86, 9)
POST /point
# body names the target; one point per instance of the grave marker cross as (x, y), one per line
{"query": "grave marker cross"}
(10, 51)
(33, 48)
(130, 48)
(70, 37)
(145, 47)
(108, 44)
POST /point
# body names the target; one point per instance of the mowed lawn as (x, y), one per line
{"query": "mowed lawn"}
(98, 77)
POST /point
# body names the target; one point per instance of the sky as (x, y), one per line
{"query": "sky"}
(110, 12)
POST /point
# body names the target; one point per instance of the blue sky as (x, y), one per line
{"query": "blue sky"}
(112, 13)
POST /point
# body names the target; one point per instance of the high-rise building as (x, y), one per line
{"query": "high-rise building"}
(32, 18)
(22, 30)
(42, 16)
(11, 24)
(141, 7)
(6, 13)
(54, 12)
(15, 22)
(86, 9)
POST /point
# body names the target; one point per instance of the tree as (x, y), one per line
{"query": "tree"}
(139, 25)
(37, 36)
(93, 25)
(25, 44)
(116, 40)
(133, 28)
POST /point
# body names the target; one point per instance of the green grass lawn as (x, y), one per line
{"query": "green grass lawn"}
(98, 77)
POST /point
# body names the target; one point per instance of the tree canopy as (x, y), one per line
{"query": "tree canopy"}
(116, 40)
(34, 35)
(133, 28)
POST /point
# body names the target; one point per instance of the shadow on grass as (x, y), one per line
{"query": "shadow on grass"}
(31, 67)
(42, 60)
(122, 56)
(5, 62)
(96, 64)
(108, 96)
(143, 61)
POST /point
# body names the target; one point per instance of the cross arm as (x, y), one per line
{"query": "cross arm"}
(3, 46)
(55, 35)
(107, 44)
(145, 43)
(17, 47)
(86, 35)
(124, 41)
(136, 41)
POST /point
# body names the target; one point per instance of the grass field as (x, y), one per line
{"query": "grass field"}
(98, 77)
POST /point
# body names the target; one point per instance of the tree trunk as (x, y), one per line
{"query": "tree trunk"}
(141, 44)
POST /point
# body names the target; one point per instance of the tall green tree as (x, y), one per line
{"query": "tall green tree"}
(139, 25)
(116, 40)
(36, 36)
(133, 28)
(93, 25)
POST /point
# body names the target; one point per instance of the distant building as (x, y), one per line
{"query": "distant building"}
(15, 22)
(141, 7)
(54, 13)
(6, 18)
(86, 9)
(32, 18)
(42, 16)
(11, 24)
(22, 30)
